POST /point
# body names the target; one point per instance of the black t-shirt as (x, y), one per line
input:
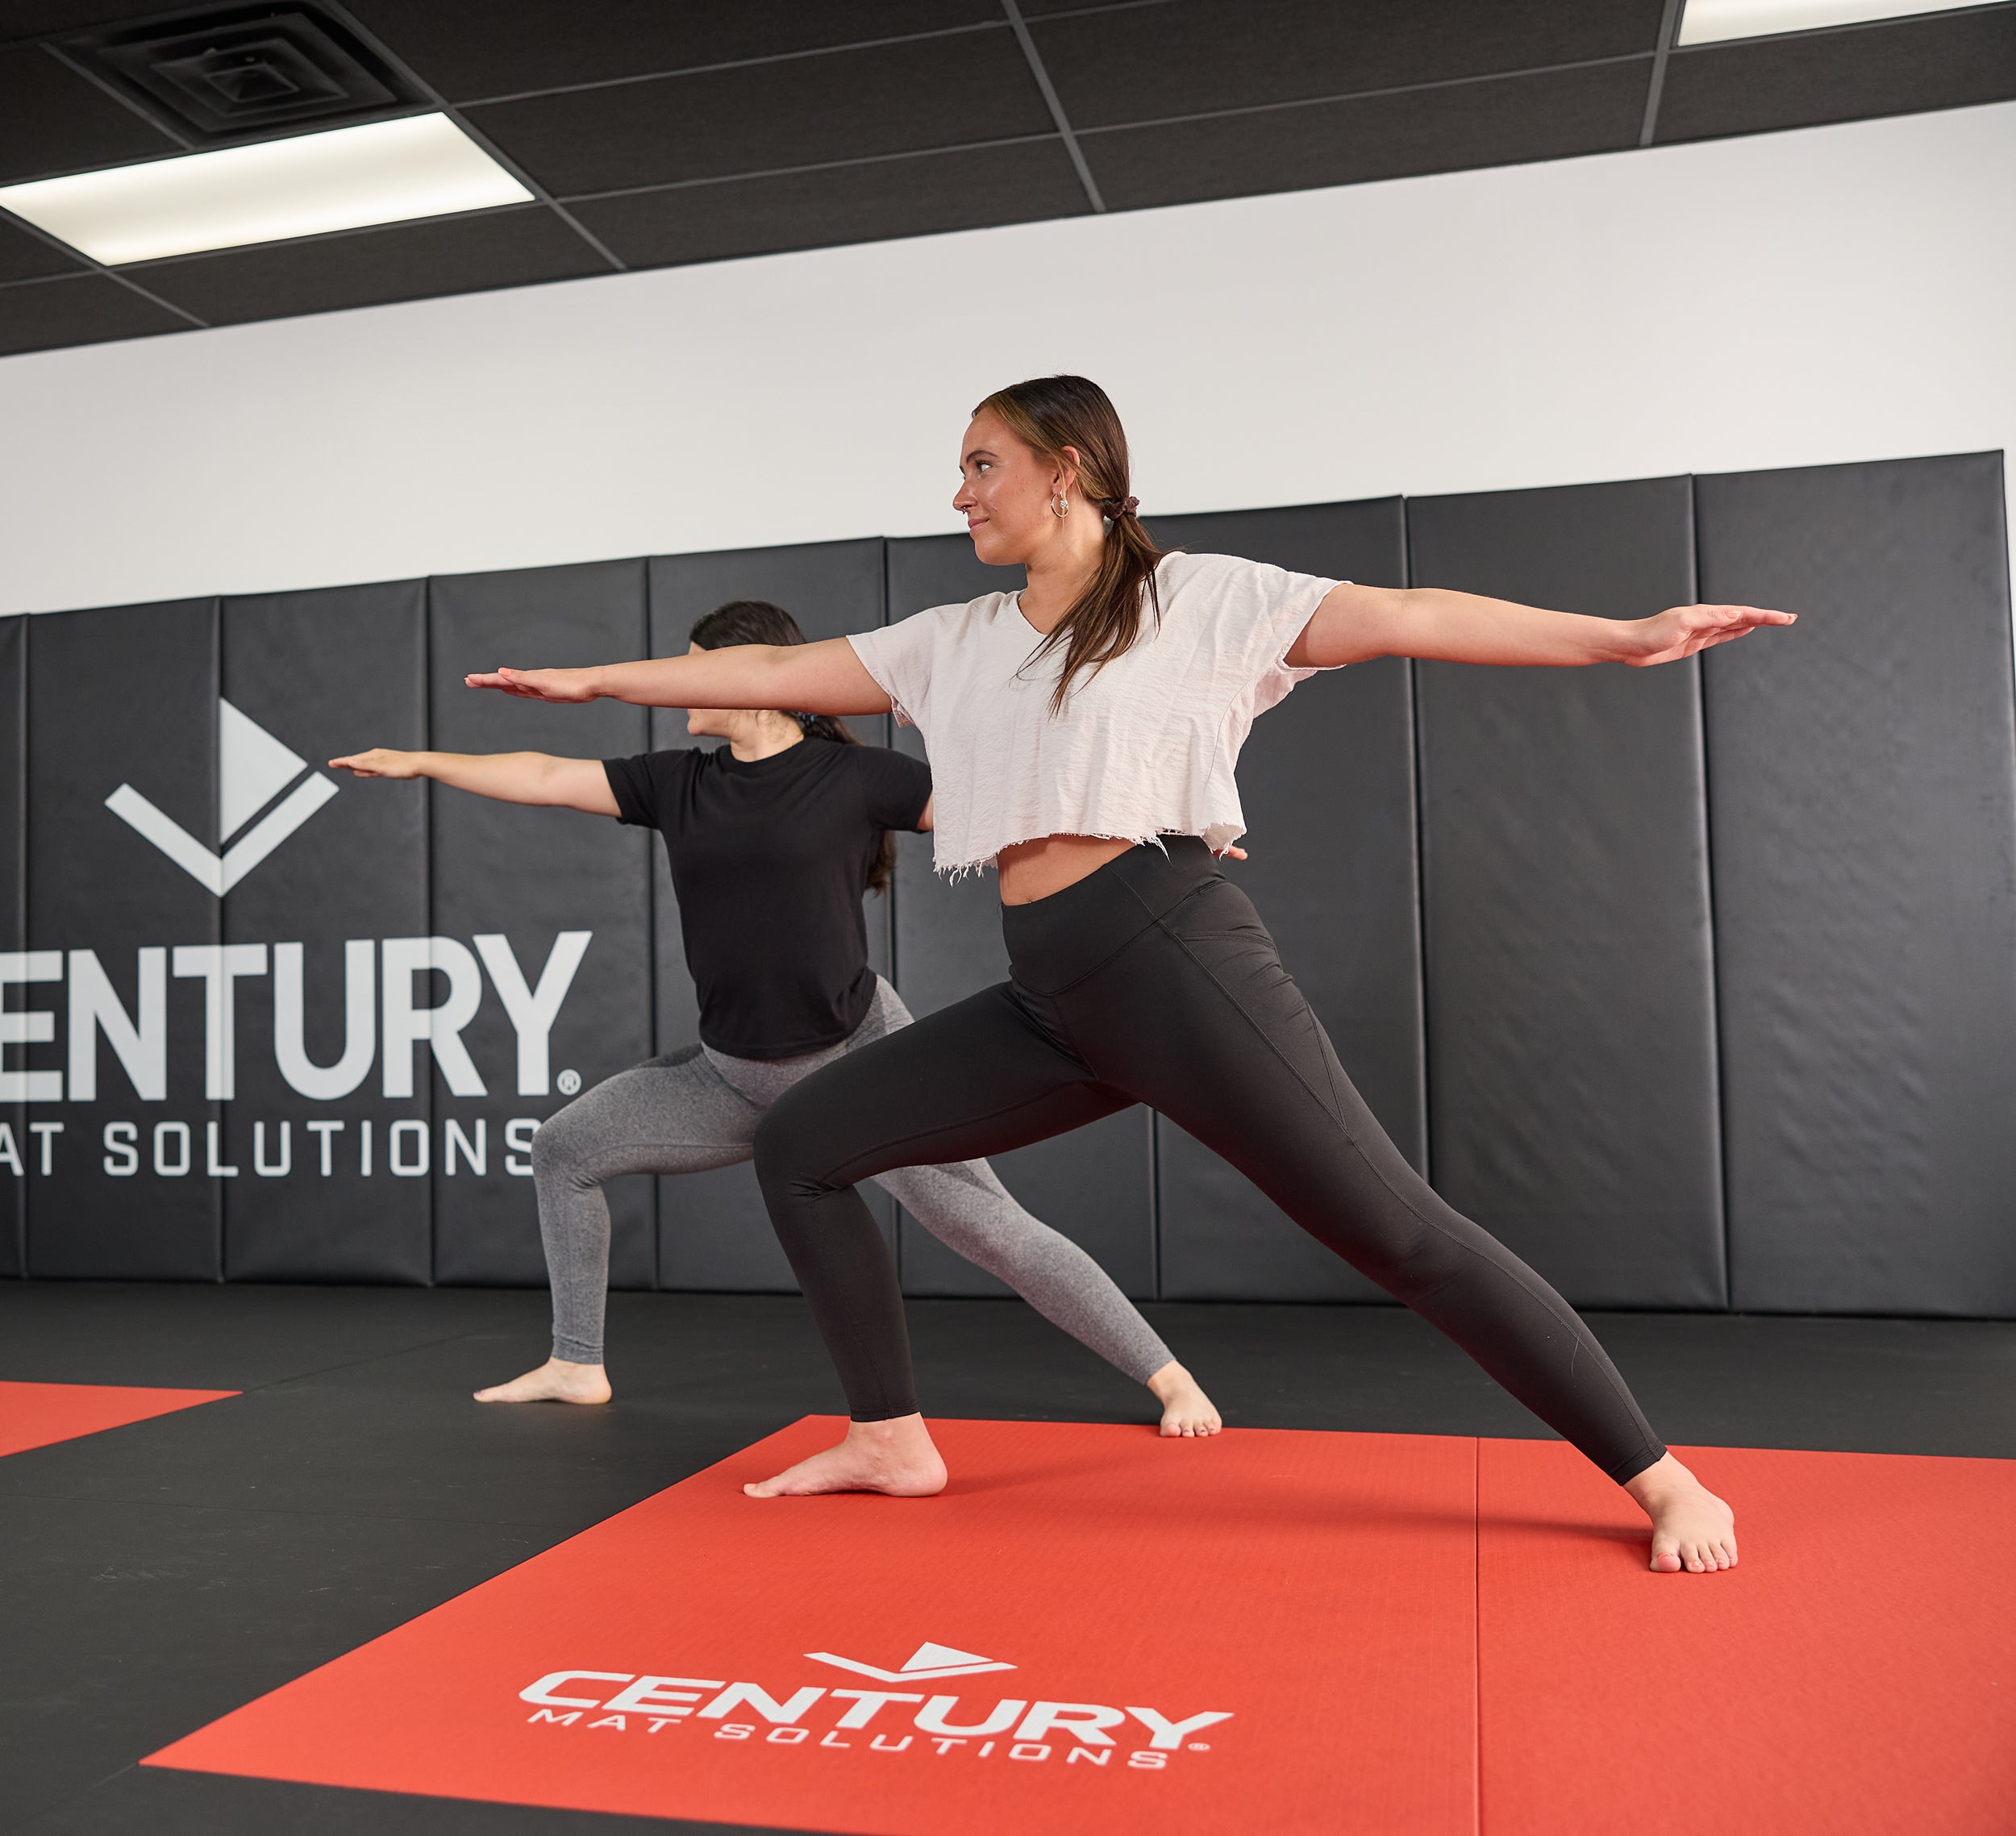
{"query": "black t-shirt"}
(770, 858)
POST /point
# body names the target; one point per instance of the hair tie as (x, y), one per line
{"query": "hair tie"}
(1127, 507)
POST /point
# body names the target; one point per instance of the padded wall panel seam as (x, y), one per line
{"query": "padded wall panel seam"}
(1424, 985)
(1571, 994)
(1864, 813)
(653, 994)
(430, 899)
(1720, 993)
(14, 642)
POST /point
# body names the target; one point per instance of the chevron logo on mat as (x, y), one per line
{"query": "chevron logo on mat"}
(927, 1663)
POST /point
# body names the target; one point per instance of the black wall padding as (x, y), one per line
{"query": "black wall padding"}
(1864, 793)
(124, 696)
(14, 739)
(1096, 1184)
(1570, 1014)
(356, 869)
(531, 875)
(713, 1232)
(1326, 782)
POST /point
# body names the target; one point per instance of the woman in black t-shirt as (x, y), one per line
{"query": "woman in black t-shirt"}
(772, 838)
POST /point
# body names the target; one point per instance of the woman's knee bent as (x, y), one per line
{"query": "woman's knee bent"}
(794, 1151)
(563, 1147)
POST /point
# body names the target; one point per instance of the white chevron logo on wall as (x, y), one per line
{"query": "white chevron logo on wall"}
(252, 768)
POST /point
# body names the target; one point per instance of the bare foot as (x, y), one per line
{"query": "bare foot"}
(894, 1457)
(1186, 1411)
(556, 1381)
(1692, 1528)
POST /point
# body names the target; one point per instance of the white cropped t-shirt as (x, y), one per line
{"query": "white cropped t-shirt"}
(1144, 748)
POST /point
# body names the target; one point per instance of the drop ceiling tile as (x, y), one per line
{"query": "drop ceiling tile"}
(926, 93)
(1898, 68)
(1503, 121)
(1138, 64)
(52, 121)
(44, 18)
(40, 315)
(23, 257)
(887, 198)
(402, 261)
(471, 48)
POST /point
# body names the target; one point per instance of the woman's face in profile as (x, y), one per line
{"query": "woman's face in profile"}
(1004, 493)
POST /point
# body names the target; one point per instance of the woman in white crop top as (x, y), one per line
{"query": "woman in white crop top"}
(1082, 734)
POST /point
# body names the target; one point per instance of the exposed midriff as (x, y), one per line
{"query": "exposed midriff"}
(1030, 870)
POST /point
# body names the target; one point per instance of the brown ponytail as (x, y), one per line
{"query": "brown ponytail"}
(758, 621)
(1049, 414)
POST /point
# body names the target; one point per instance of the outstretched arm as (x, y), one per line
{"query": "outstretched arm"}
(511, 777)
(825, 677)
(1356, 624)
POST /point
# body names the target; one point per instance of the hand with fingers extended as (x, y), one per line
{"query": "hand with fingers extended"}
(539, 685)
(380, 761)
(1683, 629)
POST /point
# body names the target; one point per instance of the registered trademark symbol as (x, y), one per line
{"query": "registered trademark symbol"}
(569, 1083)
(1200, 1747)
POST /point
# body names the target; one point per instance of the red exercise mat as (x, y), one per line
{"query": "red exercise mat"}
(36, 1415)
(1404, 1633)
(1314, 1590)
(1856, 1673)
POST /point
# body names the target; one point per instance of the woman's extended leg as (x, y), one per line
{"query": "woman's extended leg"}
(673, 1114)
(966, 1208)
(1198, 1018)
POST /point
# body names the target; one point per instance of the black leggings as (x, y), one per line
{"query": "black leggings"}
(1152, 980)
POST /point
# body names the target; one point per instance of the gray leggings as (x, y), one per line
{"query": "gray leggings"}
(698, 1109)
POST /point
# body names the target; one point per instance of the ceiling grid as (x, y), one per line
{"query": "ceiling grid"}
(651, 135)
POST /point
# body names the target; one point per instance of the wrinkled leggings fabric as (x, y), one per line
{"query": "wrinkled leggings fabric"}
(698, 1109)
(1152, 980)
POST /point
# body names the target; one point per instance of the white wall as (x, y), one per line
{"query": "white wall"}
(1837, 293)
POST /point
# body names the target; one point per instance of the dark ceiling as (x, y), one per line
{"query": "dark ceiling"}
(657, 132)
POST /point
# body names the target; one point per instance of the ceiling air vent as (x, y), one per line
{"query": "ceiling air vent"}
(214, 77)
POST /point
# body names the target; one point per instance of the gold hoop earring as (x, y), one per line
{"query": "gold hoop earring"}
(1061, 505)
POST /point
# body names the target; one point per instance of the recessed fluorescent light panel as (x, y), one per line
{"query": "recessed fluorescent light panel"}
(384, 172)
(1706, 22)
